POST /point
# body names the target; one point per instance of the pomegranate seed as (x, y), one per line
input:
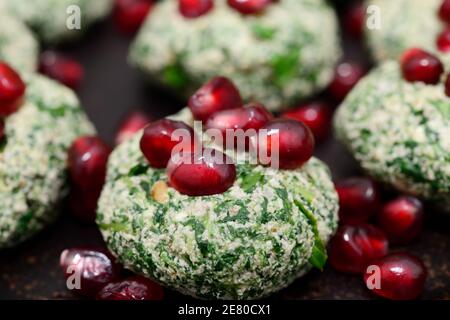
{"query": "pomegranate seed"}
(88, 270)
(87, 160)
(202, 173)
(346, 76)
(2, 129)
(252, 116)
(195, 8)
(130, 14)
(421, 66)
(216, 95)
(447, 86)
(444, 11)
(295, 143)
(83, 203)
(443, 41)
(316, 115)
(355, 246)
(402, 219)
(359, 199)
(133, 288)
(12, 89)
(157, 143)
(249, 6)
(354, 19)
(63, 69)
(402, 276)
(134, 122)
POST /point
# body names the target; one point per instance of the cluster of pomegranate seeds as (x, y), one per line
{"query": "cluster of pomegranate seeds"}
(217, 94)
(421, 66)
(346, 76)
(195, 8)
(156, 143)
(130, 14)
(249, 6)
(354, 19)
(133, 288)
(402, 276)
(402, 219)
(359, 199)
(355, 246)
(444, 11)
(61, 68)
(316, 115)
(134, 122)
(12, 89)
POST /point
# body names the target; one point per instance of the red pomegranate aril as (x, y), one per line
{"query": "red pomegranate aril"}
(420, 66)
(2, 129)
(354, 247)
(444, 11)
(134, 122)
(354, 19)
(443, 41)
(295, 144)
(359, 199)
(133, 288)
(83, 203)
(316, 115)
(346, 76)
(447, 85)
(12, 89)
(217, 94)
(87, 270)
(87, 159)
(130, 14)
(62, 69)
(402, 277)
(402, 219)
(201, 174)
(195, 8)
(249, 6)
(157, 144)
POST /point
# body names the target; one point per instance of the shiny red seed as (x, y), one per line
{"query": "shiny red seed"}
(201, 174)
(444, 11)
(2, 129)
(12, 89)
(62, 69)
(359, 199)
(316, 115)
(195, 8)
(83, 202)
(420, 66)
(447, 85)
(346, 76)
(443, 41)
(286, 144)
(402, 277)
(249, 6)
(216, 95)
(354, 19)
(87, 270)
(87, 159)
(134, 122)
(162, 136)
(130, 14)
(402, 219)
(355, 246)
(133, 288)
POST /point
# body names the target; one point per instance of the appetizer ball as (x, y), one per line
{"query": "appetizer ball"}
(279, 54)
(48, 18)
(33, 152)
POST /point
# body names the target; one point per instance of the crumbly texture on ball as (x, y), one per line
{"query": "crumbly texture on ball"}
(33, 157)
(285, 53)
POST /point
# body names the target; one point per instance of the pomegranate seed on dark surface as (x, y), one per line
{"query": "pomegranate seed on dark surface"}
(402, 219)
(402, 276)
(87, 159)
(217, 94)
(316, 115)
(133, 288)
(249, 6)
(201, 174)
(354, 19)
(83, 202)
(156, 143)
(444, 11)
(130, 14)
(12, 89)
(346, 76)
(443, 41)
(359, 199)
(354, 247)
(195, 8)
(134, 122)
(87, 270)
(420, 66)
(62, 69)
